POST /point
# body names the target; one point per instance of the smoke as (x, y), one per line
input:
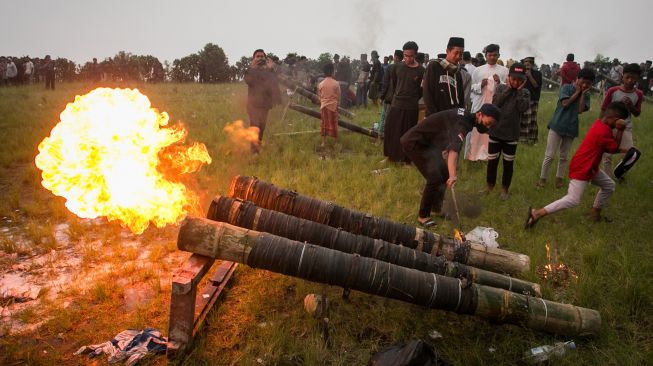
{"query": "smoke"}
(241, 137)
(525, 46)
(364, 28)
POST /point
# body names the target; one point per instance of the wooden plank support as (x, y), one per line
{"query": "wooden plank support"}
(188, 307)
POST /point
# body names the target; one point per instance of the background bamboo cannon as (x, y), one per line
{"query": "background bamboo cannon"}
(266, 251)
(268, 196)
(246, 215)
(299, 89)
(342, 123)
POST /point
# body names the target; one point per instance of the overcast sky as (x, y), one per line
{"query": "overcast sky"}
(82, 29)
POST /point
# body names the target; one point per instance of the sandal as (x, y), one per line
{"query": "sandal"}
(427, 224)
(531, 220)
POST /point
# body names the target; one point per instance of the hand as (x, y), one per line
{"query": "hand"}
(269, 63)
(496, 79)
(528, 72)
(451, 181)
(627, 101)
(521, 86)
(579, 86)
(621, 125)
(484, 83)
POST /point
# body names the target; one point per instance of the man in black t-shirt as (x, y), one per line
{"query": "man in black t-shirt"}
(433, 146)
(528, 131)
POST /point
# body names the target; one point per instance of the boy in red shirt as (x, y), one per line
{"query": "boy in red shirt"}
(584, 166)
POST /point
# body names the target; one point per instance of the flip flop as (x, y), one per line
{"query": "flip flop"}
(530, 220)
(427, 224)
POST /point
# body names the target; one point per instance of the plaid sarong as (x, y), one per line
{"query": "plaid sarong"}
(528, 127)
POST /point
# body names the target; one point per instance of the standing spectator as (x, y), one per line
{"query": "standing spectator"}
(387, 92)
(632, 99)
(361, 82)
(467, 63)
(343, 75)
(28, 67)
(3, 71)
(529, 130)
(376, 78)
(569, 71)
(262, 92)
(48, 70)
(513, 99)
(407, 79)
(484, 81)
(443, 83)
(563, 128)
(12, 71)
(616, 72)
(96, 75)
(329, 92)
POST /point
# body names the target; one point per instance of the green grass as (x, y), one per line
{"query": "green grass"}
(262, 316)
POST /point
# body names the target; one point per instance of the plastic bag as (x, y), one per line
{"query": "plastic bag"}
(484, 235)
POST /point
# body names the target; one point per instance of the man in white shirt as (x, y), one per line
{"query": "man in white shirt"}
(485, 78)
(12, 71)
(29, 71)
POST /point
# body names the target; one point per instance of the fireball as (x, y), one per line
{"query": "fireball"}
(113, 155)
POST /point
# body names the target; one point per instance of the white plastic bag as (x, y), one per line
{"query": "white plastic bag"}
(484, 235)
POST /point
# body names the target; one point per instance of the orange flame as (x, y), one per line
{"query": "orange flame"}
(109, 156)
(241, 136)
(555, 270)
(458, 235)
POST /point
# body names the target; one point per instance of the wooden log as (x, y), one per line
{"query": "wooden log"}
(266, 251)
(299, 89)
(342, 123)
(266, 195)
(247, 215)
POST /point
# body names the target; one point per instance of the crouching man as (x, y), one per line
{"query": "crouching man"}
(433, 146)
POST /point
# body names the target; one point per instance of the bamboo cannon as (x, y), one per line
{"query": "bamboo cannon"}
(323, 265)
(299, 89)
(246, 215)
(342, 123)
(266, 195)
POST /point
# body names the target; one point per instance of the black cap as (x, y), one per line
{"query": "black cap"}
(399, 53)
(491, 110)
(531, 59)
(467, 56)
(517, 70)
(456, 42)
(442, 55)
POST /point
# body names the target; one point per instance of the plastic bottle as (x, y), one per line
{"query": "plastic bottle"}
(543, 353)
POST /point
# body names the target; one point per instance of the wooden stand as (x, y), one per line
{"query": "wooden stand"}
(188, 307)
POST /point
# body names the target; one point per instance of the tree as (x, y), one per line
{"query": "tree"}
(213, 65)
(185, 69)
(65, 70)
(238, 70)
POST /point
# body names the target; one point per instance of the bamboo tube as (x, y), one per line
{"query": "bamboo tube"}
(342, 123)
(268, 196)
(299, 89)
(247, 215)
(266, 251)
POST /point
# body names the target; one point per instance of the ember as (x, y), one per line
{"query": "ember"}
(556, 272)
(112, 155)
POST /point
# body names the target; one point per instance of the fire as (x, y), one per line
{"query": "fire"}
(113, 155)
(458, 235)
(241, 136)
(556, 271)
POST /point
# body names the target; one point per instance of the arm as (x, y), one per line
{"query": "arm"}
(462, 92)
(452, 162)
(426, 91)
(568, 100)
(532, 80)
(581, 103)
(477, 87)
(501, 94)
(523, 100)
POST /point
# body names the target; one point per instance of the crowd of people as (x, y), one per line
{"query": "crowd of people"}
(480, 109)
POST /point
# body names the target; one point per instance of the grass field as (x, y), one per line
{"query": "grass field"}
(261, 319)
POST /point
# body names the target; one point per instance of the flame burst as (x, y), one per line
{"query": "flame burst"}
(112, 155)
(241, 136)
(458, 235)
